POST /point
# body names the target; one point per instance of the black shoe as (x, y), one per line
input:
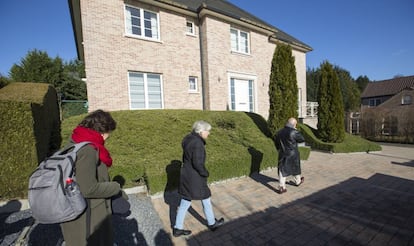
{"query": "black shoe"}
(301, 181)
(281, 190)
(294, 184)
(178, 232)
(216, 225)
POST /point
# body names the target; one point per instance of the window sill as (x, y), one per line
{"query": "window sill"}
(142, 38)
(190, 34)
(240, 53)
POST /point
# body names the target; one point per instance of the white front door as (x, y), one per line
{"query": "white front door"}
(241, 92)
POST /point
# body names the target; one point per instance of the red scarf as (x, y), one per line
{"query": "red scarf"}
(81, 134)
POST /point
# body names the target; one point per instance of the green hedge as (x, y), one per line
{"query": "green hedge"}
(29, 131)
(350, 144)
(147, 145)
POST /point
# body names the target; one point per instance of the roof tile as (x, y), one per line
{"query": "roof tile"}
(387, 87)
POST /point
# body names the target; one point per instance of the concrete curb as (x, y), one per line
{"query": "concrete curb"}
(16, 205)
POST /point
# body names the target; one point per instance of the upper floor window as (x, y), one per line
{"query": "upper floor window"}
(141, 23)
(239, 41)
(374, 102)
(406, 99)
(192, 84)
(190, 28)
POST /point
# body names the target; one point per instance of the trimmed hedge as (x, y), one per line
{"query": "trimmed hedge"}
(29, 131)
(350, 144)
(147, 145)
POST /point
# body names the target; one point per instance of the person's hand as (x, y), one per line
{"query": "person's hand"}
(124, 195)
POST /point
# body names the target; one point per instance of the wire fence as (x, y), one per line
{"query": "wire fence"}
(73, 107)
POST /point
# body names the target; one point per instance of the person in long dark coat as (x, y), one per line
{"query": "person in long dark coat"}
(193, 179)
(286, 141)
(94, 226)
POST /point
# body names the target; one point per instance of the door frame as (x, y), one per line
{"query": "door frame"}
(242, 76)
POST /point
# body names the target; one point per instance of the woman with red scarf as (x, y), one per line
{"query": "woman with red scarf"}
(94, 226)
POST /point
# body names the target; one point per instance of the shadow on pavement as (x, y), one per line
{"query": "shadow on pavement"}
(264, 180)
(126, 232)
(12, 224)
(374, 211)
(407, 164)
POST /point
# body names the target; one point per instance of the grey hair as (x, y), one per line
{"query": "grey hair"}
(291, 122)
(200, 126)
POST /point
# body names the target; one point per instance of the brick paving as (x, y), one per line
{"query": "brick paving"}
(346, 199)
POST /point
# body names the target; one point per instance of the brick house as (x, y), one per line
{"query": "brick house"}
(387, 107)
(179, 54)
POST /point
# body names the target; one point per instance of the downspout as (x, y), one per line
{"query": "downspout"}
(203, 86)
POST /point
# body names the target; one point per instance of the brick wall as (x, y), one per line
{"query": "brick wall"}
(110, 54)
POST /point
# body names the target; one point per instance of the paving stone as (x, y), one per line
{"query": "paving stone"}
(353, 199)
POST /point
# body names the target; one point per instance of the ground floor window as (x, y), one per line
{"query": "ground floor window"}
(145, 90)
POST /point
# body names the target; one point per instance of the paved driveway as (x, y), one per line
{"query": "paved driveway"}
(346, 199)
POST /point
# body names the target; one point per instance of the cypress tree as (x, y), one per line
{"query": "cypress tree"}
(331, 125)
(283, 88)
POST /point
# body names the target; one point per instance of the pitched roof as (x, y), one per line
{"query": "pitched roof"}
(228, 9)
(395, 100)
(387, 87)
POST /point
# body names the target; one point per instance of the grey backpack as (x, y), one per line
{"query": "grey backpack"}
(50, 199)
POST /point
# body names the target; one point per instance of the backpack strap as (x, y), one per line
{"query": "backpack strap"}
(75, 147)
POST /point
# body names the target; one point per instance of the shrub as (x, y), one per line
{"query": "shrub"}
(30, 127)
(331, 126)
(147, 145)
(351, 143)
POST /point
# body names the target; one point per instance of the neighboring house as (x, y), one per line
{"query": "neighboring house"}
(378, 92)
(387, 107)
(179, 54)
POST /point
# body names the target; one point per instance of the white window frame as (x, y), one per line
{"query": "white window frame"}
(237, 46)
(192, 32)
(146, 90)
(155, 27)
(190, 83)
(300, 103)
(406, 100)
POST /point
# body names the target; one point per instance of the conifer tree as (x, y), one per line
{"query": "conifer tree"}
(66, 77)
(331, 125)
(283, 88)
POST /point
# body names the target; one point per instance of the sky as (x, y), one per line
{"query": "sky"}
(373, 38)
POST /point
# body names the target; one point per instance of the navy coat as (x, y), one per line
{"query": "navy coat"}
(193, 174)
(286, 141)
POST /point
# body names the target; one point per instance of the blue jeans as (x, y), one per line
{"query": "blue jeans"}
(185, 205)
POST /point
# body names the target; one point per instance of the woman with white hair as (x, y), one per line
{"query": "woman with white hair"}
(193, 179)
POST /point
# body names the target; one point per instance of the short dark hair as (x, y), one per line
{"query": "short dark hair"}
(99, 121)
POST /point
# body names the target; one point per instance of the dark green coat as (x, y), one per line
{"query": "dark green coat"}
(286, 141)
(95, 185)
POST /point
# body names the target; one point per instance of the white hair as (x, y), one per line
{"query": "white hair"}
(291, 122)
(200, 126)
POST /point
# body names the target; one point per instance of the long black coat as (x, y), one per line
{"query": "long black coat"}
(286, 141)
(193, 176)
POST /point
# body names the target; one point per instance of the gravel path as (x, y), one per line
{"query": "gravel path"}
(142, 227)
